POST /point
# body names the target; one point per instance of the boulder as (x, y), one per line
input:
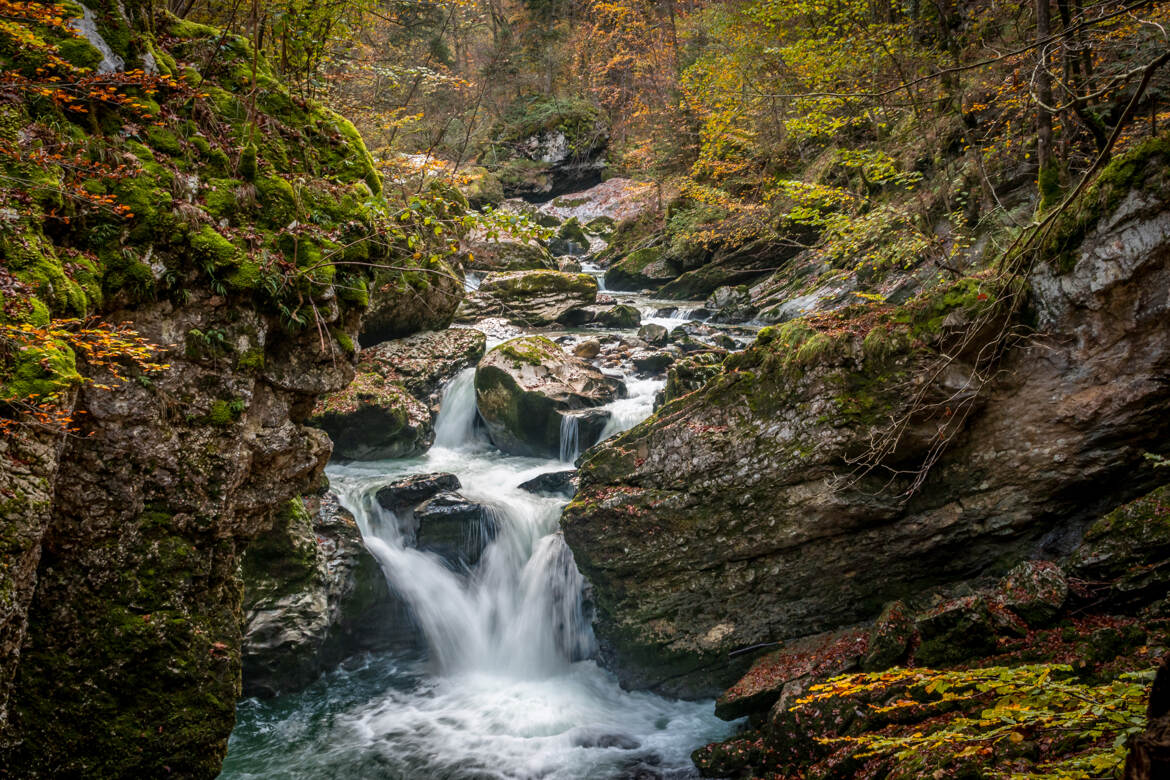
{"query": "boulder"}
(810, 658)
(621, 316)
(653, 362)
(399, 309)
(553, 483)
(653, 334)
(642, 269)
(588, 349)
(570, 239)
(455, 529)
(507, 254)
(889, 639)
(313, 595)
(413, 490)
(955, 631)
(524, 387)
(731, 304)
(375, 418)
(600, 208)
(531, 298)
(1035, 591)
(1125, 556)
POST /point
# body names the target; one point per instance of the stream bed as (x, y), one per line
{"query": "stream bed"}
(507, 686)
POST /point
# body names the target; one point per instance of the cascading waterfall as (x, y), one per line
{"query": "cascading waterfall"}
(455, 426)
(507, 689)
(570, 440)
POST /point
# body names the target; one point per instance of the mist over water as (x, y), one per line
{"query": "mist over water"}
(506, 687)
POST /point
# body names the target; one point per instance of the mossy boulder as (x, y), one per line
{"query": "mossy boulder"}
(642, 269)
(524, 389)
(532, 298)
(1126, 554)
(375, 418)
(507, 255)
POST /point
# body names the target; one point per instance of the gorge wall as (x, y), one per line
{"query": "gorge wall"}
(238, 238)
(741, 514)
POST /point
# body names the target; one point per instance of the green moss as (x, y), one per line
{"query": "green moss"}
(251, 360)
(164, 140)
(213, 249)
(344, 341)
(533, 350)
(1145, 168)
(278, 201)
(79, 52)
(248, 164)
(226, 412)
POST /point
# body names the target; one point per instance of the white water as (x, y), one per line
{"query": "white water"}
(507, 689)
(570, 444)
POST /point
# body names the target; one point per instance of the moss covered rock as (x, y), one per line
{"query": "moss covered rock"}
(530, 298)
(525, 387)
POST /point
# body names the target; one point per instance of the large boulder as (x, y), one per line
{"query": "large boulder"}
(546, 146)
(313, 595)
(738, 514)
(507, 254)
(526, 386)
(375, 418)
(433, 517)
(389, 410)
(642, 269)
(400, 306)
(531, 298)
(731, 304)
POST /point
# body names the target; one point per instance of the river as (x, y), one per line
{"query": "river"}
(507, 686)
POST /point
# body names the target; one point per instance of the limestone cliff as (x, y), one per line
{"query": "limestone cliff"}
(229, 222)
(742, 513)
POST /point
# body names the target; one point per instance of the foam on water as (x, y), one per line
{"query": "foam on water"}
(507, 688)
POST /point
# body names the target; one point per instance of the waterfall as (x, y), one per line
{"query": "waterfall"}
(570, 444)
(87, 26)
(455, 425)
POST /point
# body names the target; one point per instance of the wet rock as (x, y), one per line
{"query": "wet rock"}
(507, 255)
(621, 316)
(699, 313)
(588, 349)
(593, 738)
(455, 529)
(1034, 590)
(653, 334)
(375, 418)
(666, 311)
(413, 490)
(525, 386)
(730, 304)
(425, 362)
(653, 362)
(553, 483)
(313, 596)
(529, 298)
(568, 265)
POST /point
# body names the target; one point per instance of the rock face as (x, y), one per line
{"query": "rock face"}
(389, 410)
(526, 386)
(313, 595)
(733, 517)
(530, 298)
(120, 596)
(731, 304)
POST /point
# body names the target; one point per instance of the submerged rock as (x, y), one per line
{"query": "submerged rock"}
(530, 298)
(553, 483)
(526, 386)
